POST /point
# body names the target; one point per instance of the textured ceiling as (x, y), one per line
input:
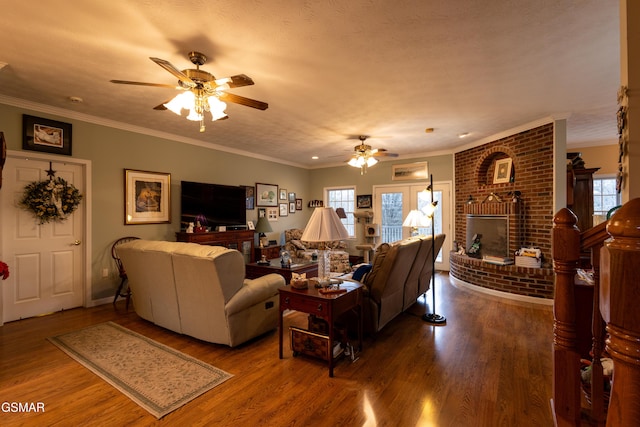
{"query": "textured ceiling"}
(330, 70)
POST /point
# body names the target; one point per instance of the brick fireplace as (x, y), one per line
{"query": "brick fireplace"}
(530, 216)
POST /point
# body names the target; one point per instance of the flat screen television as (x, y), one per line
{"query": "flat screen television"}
(220, 204)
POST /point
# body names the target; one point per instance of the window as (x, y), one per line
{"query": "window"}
(345, 198)
(605, 196)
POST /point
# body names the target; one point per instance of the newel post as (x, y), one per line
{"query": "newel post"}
(619, 300)
(566, 360)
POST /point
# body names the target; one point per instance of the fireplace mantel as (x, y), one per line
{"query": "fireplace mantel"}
(496, 208)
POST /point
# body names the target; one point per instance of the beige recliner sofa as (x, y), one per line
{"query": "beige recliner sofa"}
(200, 290)
(400, 273)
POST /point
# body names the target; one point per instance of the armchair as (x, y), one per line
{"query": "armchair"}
(338, 258)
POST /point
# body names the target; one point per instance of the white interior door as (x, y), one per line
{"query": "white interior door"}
(392, 204)
(46, 261)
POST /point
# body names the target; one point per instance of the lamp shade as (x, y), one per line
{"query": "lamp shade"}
(324, 226)
(263, 225)
(416, 219)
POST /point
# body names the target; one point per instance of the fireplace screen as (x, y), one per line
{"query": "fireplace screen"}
(492, 232)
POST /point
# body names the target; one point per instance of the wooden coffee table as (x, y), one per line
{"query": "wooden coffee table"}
(328, 307)
(255, 270)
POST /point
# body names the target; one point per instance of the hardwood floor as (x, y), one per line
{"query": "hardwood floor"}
(490, 365)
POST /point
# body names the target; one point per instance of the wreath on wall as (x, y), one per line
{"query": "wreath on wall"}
(51, 200)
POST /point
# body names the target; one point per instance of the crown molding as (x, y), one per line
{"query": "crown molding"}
(64, 113)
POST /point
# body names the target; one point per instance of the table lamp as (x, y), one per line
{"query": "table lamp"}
(324, 226)
(415, 220)
(262, 227)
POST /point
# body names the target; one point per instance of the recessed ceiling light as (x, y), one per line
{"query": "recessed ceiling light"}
(315, 157)
(463, 135)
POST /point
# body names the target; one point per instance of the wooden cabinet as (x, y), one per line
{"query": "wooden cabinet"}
(270, 252)
(241, 240)
(580, 195)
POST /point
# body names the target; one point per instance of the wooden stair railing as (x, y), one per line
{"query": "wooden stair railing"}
(619, 299)
(616, 293)
(565, 401)
(592, 240)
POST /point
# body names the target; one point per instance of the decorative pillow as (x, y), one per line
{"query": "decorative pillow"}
(298, 244)
(378, 259)
(361, 271)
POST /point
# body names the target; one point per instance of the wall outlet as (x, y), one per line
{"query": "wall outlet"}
(105, 273)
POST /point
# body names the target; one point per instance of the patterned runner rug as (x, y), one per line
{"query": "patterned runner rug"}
(156, 377)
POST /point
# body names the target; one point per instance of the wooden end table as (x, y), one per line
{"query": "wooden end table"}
(325, 306)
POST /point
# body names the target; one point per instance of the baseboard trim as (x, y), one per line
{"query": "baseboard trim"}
(506, 295)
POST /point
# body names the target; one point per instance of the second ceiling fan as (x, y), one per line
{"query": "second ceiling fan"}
(364, 156)
(200, 91)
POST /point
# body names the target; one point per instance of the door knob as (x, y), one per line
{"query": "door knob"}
(76, 243)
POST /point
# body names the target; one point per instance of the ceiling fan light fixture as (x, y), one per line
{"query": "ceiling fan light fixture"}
(184, 100)
(371, 161)
(216, 108)
(194, 116)
(356, 161)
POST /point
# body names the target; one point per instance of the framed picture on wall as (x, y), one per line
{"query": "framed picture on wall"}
(298, 204)
(292, 207)
(49, 136)
(410, 171)
(284, 209)
(272, 214)
(267, 195)
(502, 172)
(363, 201)
(147, 197)
(283, 194)
(250, 198)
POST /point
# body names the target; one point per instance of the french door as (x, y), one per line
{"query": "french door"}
(392, 204)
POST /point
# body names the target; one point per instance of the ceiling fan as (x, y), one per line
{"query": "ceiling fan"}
(364, 156)
(200, 91)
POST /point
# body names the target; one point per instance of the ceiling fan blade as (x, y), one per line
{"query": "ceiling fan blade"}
(230, 97)
(127, 82)
(173, 70)
(240, 80)
(383, 154)
(235, 81)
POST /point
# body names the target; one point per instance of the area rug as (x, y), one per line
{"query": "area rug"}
(156, 377)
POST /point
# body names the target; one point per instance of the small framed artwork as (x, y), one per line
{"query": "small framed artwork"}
(147, 197)
(502, 171)
(364, 201)
(292, 197)
(250, 225)
(283, 194)
(410, 171)
(292, 207)
(284, 209)
(266, 195)
(250, 198)
(262, 212)
(298, 204)
(49, 136)
(272, 214)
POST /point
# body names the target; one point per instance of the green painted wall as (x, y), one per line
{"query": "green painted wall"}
(113, 150)
(441, 167)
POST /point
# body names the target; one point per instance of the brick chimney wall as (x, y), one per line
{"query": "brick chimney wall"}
(532, 174)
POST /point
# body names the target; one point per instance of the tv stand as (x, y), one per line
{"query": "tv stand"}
(241, 240)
